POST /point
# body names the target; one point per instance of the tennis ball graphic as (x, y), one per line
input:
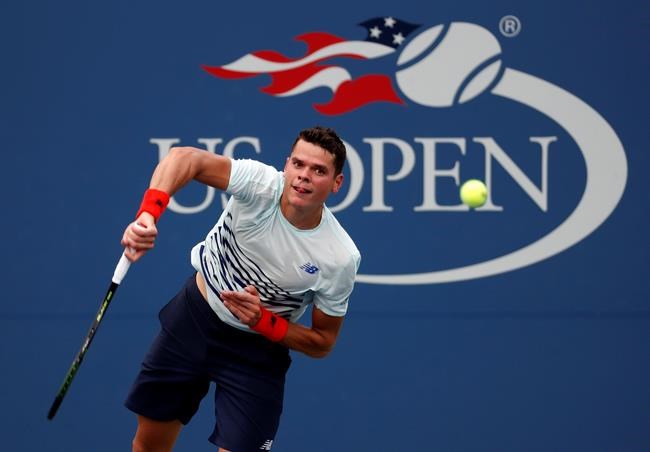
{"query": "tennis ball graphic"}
(454, 70)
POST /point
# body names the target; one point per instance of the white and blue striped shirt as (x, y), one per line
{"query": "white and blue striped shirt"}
(253, 244)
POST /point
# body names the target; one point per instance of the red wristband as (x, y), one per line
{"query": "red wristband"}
(271, 326)
(154, 202)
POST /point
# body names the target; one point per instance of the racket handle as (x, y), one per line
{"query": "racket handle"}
(121, 269)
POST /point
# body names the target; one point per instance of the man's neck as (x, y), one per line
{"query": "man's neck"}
(301, 219)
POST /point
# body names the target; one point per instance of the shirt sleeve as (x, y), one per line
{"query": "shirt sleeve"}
(250, 179)
(333, 299)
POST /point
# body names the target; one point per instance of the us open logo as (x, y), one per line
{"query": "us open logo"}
(440, 67)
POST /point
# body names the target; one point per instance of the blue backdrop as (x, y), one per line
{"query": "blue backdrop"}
(521, 326)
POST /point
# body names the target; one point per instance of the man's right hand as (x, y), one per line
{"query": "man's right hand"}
(139, 236)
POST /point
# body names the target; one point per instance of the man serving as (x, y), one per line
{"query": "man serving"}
(275, 250)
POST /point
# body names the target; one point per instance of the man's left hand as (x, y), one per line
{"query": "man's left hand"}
(244, 305)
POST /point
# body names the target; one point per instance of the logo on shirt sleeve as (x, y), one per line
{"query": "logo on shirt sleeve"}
(309, 268)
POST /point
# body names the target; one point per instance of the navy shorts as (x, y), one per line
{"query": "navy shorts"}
(195, 348)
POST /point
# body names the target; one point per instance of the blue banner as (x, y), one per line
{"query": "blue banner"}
(520, 325)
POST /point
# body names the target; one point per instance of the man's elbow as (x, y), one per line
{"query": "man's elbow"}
(320, 350)
(182, 152)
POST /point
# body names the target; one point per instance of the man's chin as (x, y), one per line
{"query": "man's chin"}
(302, 201)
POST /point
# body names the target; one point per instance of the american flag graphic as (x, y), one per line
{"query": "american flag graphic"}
(293, 76)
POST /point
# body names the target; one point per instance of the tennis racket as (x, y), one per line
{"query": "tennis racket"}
(120, 271)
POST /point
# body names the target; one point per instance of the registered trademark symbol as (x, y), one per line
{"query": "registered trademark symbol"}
(510, 26)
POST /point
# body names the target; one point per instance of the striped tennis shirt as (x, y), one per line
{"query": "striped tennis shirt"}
(253, 244)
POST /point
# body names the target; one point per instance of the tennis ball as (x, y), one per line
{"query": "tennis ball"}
(437, 71)
(473, 193)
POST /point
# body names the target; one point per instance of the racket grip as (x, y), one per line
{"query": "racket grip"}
(121, 269)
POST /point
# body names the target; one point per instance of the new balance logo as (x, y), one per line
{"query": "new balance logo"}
(309, 268)
(267, 445)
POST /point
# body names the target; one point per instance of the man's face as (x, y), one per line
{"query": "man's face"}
(309, 176)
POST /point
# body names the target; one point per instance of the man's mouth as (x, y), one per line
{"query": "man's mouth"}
(301, 190)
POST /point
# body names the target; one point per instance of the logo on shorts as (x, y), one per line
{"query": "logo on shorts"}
(309, 268)
(267, 445)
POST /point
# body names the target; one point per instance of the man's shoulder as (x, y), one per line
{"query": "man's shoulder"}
(342, 237)
(254, 169)
(249, 178)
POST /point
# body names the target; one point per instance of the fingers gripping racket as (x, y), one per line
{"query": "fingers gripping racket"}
(120, 271)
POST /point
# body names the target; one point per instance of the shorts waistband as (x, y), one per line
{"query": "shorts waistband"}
(238, 342)
(197, 301)
(208, 318)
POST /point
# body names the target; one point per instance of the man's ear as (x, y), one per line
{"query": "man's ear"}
(338, 181)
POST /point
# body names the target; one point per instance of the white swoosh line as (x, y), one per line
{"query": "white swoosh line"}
(252, 64)
(331, 78)
(606, 178)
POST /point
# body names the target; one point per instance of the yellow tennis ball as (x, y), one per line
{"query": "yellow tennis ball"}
(473, 193)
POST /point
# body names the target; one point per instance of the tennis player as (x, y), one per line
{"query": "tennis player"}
(275, 251)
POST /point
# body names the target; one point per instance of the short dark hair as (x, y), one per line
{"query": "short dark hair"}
(327, 139)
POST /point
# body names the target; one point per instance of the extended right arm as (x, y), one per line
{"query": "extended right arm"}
(180, 166)
(184, 164)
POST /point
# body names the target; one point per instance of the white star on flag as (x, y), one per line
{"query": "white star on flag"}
(389, 22)
(398, 38)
